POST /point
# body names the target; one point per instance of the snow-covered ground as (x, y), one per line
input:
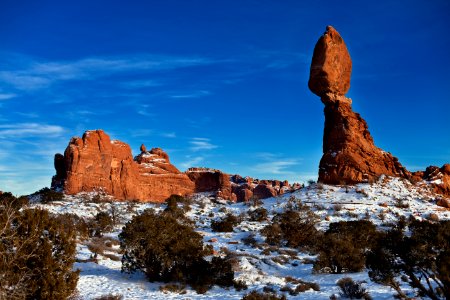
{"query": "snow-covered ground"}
(381, 202)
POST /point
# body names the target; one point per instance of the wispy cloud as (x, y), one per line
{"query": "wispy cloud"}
(199, 144)
(138, 84)
(274, 163)
(170, 135)
(7, 96)
(276, 167)
(29, 130)
(195, 94)
(191, 162)
(30, 75)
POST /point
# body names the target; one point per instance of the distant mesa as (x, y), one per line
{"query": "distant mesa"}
(97, 163)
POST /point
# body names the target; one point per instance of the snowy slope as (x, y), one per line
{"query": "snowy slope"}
(381, 202)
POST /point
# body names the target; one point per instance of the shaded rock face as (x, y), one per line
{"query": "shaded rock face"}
(94, 163)
(210, 180)
(349, 153)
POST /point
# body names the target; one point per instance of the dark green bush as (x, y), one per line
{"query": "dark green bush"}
(423, 256)
(38, 252)
(48, 195)
(295, 228)
(166, 249)
(226, 224)
(102, 223)
(75, 223)
(8, 199)
(344, 245)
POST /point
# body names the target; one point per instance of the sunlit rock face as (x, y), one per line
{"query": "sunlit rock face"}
(97, 163)
(349, 153)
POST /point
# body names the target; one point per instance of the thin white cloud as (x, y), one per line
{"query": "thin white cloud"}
(276, 167)
(170, 135)
(192, 162)
(7, 96)
(138, 84)
(29, 130)
(31, 75)
(196, 94)
(200, 144)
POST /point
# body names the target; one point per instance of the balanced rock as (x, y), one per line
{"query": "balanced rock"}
(97, 163)
(349, 153)
(331, 65)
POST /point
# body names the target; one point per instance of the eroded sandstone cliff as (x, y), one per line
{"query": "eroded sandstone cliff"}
(349, 153)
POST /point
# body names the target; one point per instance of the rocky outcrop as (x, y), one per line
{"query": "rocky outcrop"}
(262, 191)
(97, 163)
(437, 178)
(211, 180)
(349, 153)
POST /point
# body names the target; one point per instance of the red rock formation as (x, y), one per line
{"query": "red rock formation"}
(262, 191)
(438, 178)
(331, 66)
(350, 155)
(94, 162)
(211, 180)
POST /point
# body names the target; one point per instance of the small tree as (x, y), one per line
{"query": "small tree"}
(226, 224)
(344, 245)
(423, 256)
(37, 253)
(352, 289)
(166, 249)
(296, 228)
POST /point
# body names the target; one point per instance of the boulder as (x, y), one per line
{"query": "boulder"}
(331, 66)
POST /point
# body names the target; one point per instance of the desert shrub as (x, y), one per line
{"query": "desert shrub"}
(8, 199)
(75, 223)
(293, 228)
(37, 254)
(172, 205)
(254, 295)
(109, 297)
(48, 195)
(240, 285)
(102, 223)
(352, 289)
(337, 207)
(249, 240)
(166, 249)
(226, 224)
(343, 248)
(258, 215)
(423, 256)
(173, 288)
(399, 203)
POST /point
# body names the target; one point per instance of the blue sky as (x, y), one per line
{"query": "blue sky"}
(221, 84)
